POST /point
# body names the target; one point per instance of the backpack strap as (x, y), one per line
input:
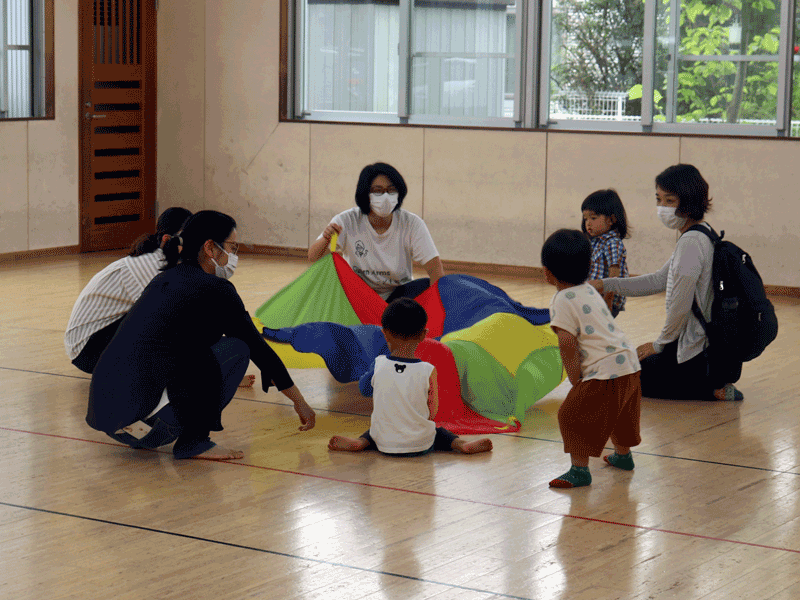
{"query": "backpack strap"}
(709, 231)
(712, 235)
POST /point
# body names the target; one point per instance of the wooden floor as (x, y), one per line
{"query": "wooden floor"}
(712, 510)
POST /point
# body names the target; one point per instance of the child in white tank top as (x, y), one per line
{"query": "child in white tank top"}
(405, 394)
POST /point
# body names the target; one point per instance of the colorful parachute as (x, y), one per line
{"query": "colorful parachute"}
(494, 360)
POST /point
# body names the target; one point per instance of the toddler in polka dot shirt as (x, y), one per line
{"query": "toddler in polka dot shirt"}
(605, 399)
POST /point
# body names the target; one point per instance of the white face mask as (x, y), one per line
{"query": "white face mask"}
(225, 271)
(669, 218)
(383, 204)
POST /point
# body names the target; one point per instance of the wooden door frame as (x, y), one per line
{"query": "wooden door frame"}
(149, 54)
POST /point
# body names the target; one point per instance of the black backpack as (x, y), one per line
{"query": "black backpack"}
(743, 321)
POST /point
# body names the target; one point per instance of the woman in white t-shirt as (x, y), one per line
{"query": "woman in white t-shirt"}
(380, 240)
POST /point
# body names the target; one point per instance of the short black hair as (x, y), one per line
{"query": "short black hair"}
(686, 182)
(567, 254)
(404, 318)
(609, 204)
(368, 175)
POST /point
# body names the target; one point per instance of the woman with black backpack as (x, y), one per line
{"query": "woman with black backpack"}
(676, 364)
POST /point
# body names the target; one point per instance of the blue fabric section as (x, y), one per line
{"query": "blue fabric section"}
(365, 383)
(467, 300)
(348, 351)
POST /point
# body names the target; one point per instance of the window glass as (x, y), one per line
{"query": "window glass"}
(351, 61)
(22, 65)
(720, 64)
(596, 59)
(715, 63)
(461, 56)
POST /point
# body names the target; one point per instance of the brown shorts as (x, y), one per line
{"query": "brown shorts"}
(597, 409)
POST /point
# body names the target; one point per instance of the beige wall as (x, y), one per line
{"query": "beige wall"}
(487, 196)
(39, 159)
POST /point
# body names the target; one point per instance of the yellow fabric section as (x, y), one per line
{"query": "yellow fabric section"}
(297, 360)
(508, 338)
(291, 357)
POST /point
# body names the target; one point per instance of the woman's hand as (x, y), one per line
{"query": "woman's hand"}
(332, 228)
(596, 284)
(645, 350)
(308, 417)
(320, 247)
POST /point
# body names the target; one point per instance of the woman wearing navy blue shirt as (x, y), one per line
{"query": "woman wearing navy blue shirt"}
(188, 333)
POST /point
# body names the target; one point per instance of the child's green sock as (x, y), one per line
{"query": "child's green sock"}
(620, 461)
(575, 477)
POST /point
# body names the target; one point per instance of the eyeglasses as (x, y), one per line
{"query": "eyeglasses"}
(379, 191)
(234, 247)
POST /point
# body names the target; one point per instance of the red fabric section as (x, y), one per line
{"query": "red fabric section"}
(453, 414)
(366, 302)
(369, 306)
(431, 301)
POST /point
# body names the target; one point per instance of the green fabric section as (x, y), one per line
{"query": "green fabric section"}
(315, 296)
(491, 391)
(486, 385)
(538, 375)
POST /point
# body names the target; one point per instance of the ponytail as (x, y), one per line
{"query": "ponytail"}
(169, 223)
(200, 227)
(171, 252)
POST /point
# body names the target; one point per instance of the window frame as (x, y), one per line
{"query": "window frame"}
(42, 61)
(532, 66)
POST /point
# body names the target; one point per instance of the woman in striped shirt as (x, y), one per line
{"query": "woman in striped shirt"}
(109, 295)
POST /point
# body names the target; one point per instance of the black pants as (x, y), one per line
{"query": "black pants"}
(663, 377)
(86, 361)
(442, 442)
(412, 289)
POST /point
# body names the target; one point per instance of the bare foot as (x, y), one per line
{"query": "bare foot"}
(465, 447)
(248, 381)
(345, 444)
(218, 453)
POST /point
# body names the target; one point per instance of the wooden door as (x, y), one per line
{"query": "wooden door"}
(117, 40)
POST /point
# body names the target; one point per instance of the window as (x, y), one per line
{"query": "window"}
(697, 66)
(795, 91)
(26, 59)
(447, 61)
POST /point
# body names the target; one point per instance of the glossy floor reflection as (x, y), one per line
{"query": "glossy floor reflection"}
(712, 510)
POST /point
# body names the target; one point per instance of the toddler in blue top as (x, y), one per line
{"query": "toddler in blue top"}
(606, 224)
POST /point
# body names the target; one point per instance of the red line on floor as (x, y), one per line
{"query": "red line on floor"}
(239, 463)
